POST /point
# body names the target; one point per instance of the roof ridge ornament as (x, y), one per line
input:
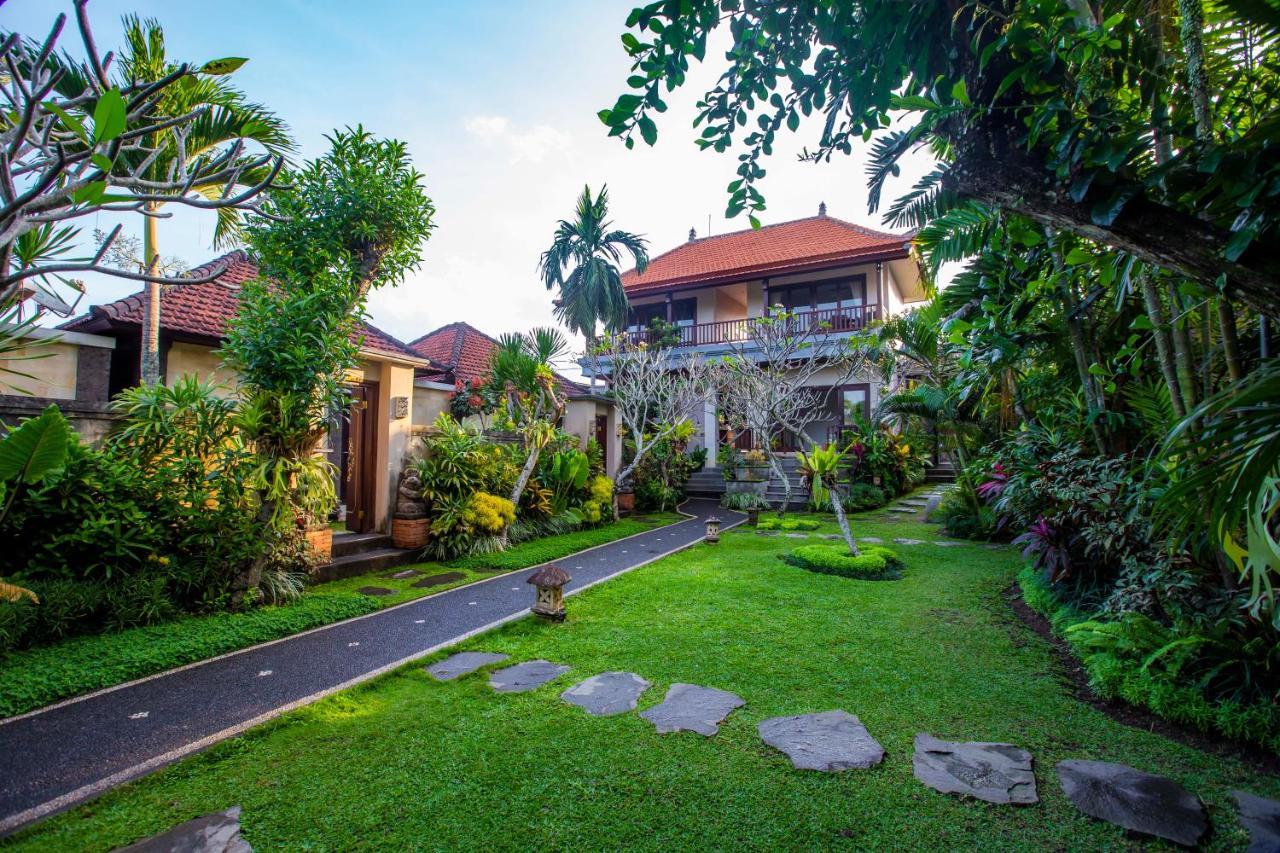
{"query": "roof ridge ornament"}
(822, 208)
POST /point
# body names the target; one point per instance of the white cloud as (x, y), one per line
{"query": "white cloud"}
(486, 128)
(534, 144)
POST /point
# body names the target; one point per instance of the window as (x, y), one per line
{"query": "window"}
(684, 312)
(829, 295)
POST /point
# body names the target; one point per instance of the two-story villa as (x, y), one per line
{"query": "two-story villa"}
(823, 269)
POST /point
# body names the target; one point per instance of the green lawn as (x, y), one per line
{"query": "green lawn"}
(36, 677)
(405, 762)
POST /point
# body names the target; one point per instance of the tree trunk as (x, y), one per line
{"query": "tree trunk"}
(1192, 14)
(1080, 350)
(149, 369)
(246, 582)
(1183, 355)
(525, 473)
(1164, 348)
(1011, 179)
(837, 506)
(775, 467)
(1230, 338)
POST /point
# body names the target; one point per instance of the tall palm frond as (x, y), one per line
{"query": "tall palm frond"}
(589, 249)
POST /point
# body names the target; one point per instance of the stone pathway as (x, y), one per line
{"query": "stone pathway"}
(65, 754)
(836, 741)
(690, 708)
(830, 742)
(607, 694)
(1137, 801)
(463, 663)
(995, 772)
(526, 676)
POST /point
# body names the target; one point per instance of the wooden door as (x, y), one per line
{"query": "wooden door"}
(361, 457)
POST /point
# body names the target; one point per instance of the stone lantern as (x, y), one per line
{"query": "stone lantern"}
(713, 531)
(548, 602)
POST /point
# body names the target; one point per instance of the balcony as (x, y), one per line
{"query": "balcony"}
(830, 320)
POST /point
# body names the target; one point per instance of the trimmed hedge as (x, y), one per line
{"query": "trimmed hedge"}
(1113, 678)
(788, 524)
(36, 677)
(871, 564)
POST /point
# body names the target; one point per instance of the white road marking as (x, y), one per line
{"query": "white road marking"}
(419, 621)
(264, 673)
(141, 715)
(349, 645)
(471, 602)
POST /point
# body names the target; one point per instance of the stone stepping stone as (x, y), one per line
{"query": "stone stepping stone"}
(690, 708)
(437, 580)
(1136, 801)
(456, 666)
(607, 694)
(872, 539)
(947, 543)
(831, 741)
(524, 677)
(915, 502)
(399, 576)
(1261, 817)
(903, 510)
(994, 772)
(213, 833)
(902, 541)
(374, 590)
(797, 535)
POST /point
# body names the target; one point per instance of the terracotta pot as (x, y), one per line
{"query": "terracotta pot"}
(410, 533)
(321, 541)
(626, 501)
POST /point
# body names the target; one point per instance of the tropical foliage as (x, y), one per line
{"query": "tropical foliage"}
(582, 264)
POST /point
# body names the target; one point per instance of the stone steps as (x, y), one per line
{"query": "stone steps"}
(359, 553)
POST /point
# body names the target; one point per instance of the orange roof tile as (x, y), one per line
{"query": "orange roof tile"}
(204, 310)
(785, 247)
(462, 352)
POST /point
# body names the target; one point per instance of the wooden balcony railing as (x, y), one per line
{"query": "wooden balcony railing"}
(832, 320)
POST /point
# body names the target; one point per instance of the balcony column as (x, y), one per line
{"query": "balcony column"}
(670, 299)
(879, 312)
(710, 430)
(766, 298)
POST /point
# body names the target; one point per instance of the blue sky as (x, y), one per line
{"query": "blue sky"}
(497, 102)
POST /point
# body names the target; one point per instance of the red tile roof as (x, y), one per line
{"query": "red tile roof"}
(785, 247)
(462, 352)
(203, 310)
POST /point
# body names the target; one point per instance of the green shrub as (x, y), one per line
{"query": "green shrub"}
(789, 524)
(864, 496)
(960, 519)
(871, 564)
(1122, 660)
(537, 551)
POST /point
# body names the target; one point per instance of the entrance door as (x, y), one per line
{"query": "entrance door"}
(359, 455)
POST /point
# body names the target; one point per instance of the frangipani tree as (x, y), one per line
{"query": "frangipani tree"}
(776, 378)
(654, 390)
(521, 369)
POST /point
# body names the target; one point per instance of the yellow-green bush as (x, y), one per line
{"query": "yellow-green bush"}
(489, 513)
(601, 489)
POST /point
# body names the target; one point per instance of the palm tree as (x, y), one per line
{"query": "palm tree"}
(592, 292)
(521, 368)
(228, 124)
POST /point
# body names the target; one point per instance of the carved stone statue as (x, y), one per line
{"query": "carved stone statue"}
(409, 502)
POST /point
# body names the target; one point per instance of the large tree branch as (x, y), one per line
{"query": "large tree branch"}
(1146, 229)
